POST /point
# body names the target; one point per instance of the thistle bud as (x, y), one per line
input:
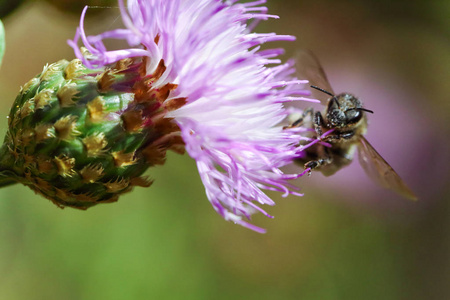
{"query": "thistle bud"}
(80, 137)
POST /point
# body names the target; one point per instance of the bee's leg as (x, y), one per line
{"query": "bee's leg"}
(318, 123)
(299, 122)
(325, 160)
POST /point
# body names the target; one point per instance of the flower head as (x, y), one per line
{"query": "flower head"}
(224, 93)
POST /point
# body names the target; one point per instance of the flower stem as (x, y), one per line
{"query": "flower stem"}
(5, 180)
(6, 175)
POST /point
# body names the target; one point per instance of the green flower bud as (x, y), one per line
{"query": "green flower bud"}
(81, 137)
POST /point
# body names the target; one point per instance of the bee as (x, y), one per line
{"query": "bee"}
(345, 121)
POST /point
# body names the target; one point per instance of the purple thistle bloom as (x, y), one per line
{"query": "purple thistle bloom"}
(230, 123)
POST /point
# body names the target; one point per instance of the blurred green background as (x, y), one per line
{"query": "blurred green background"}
(345, 239)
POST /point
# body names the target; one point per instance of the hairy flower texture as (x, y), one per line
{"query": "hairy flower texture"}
(224, 93)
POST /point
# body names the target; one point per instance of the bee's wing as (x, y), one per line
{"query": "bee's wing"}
(380, 171)
(309, 68)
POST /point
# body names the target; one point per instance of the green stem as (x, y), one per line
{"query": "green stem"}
(6, 175)
(6, 180)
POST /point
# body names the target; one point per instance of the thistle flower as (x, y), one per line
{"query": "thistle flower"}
(194, 78)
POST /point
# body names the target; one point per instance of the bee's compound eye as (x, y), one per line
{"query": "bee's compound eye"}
(353, 115)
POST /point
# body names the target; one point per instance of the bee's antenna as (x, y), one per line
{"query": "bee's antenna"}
(360, 108)
(365, 109)
(322, 90)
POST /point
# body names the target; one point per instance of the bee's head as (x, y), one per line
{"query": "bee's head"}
(345, 110)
